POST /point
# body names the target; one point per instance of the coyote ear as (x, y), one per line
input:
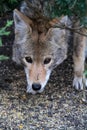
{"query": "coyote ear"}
(55, 35)
(22, 23)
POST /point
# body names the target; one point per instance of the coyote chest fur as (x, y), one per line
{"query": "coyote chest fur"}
(40, 48)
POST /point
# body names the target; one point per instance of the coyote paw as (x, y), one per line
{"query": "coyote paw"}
(77, 83)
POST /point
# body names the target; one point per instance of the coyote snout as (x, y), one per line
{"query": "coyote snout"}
(37, 77)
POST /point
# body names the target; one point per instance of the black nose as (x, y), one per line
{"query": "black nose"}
(36, 87)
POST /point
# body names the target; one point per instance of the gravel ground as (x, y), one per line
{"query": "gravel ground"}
(59, 107)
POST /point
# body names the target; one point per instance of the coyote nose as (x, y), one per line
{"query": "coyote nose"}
(36, 87)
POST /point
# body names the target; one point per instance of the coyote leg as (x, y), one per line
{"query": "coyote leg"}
(78, 58)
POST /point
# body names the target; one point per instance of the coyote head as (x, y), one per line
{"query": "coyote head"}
(39, 52)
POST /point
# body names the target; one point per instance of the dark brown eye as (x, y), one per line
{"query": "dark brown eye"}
(47, 60)
(29, 59)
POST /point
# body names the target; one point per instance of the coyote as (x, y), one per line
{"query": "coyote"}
(40, 48)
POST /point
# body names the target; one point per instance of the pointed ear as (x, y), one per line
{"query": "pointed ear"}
(22, 24)
(22, 31)
(56, 35)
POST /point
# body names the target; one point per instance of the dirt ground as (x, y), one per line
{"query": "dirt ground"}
(59, 107)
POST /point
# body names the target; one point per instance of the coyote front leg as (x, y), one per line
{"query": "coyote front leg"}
(79, 59)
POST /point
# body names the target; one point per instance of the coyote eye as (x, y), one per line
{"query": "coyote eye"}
(47, 60)
(29, 59)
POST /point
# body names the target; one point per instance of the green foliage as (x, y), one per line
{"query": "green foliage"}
(8, 5)
(3, 31)
(76, 8)
(2, 57)
(0, 42)
(68, 7)
(85, 73)
(84, 21)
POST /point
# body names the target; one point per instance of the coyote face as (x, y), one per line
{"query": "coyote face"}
(40, 52)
